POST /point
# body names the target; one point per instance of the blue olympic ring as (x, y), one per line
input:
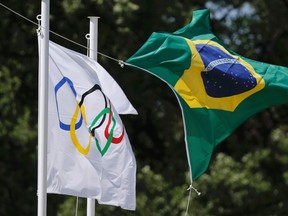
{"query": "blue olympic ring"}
(57, 87)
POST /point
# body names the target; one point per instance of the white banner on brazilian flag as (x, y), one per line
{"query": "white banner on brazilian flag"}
(89, 153)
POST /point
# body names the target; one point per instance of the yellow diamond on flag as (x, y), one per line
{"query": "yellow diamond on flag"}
(209, 79)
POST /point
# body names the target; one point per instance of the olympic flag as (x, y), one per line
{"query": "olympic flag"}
(89, 153)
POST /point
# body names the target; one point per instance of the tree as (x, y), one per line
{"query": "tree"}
(18, 102)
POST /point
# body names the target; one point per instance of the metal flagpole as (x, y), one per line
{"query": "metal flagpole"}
(93, 48)
(93, 33)
(43, 109)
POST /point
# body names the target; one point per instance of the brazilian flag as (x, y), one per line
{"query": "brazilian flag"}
(217, 89)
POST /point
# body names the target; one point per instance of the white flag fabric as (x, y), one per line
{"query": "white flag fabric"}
(89, 153)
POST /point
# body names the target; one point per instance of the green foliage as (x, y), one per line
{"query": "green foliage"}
(252, 186)
(248, 173)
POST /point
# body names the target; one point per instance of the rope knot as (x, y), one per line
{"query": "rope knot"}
(121, 63)
(191, 187)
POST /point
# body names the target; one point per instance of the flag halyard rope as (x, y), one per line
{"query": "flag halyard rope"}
(38, 17)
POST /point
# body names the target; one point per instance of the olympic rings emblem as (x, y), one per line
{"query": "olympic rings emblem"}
(80, 109)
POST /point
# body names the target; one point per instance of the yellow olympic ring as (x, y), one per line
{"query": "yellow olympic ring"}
(73, 136)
